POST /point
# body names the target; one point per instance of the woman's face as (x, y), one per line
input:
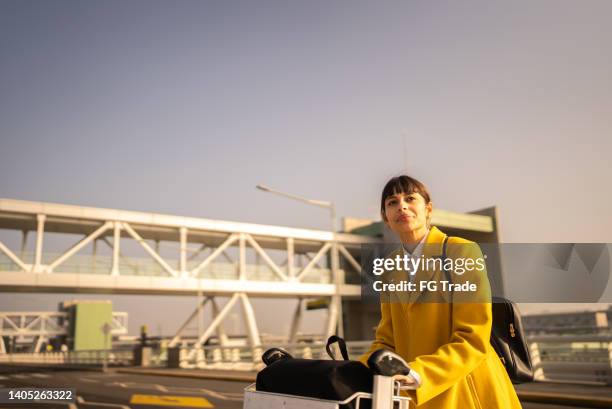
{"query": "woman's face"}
(406, 212)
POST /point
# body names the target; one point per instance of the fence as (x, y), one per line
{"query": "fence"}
(574, 358)
(93, 358)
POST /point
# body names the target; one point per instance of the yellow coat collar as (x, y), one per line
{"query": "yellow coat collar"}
(433, 249)
(434, 242)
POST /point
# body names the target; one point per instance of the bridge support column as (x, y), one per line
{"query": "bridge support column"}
(536, 362)
(251, 324)
(194, 315)
(295, 322)
(40, 231)
(220, 329)
(116, 248)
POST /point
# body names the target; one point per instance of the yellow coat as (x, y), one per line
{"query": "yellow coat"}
(447, 344)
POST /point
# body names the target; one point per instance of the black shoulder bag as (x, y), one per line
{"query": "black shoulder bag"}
(507, 337)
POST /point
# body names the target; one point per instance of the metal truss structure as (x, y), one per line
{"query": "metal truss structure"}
(38, 327)
(232, 260)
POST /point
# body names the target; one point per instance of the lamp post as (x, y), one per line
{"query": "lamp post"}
(335, 262)
(320, 203)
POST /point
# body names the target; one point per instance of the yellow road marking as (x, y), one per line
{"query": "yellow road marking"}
(167, 400)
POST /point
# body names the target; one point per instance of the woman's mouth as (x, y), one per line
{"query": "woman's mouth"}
(403, 218)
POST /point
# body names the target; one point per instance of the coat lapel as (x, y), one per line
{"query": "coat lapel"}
(432, 249)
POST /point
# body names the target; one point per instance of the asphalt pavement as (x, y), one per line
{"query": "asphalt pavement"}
(120, 391)
(142, 388)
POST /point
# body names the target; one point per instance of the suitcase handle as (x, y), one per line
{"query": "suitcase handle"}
(332, 340)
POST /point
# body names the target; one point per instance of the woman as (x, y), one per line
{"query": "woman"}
(446, 344)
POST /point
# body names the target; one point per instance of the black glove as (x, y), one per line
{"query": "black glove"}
(274, 354)
(387, 363)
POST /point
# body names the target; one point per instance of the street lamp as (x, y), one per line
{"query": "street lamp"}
(335, 263)
(320, 203)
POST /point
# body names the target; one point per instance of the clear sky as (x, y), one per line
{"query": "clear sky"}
(183, 107)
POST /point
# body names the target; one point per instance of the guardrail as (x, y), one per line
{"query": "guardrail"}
(246, 358)
(573, 358)
(98, 357)
(139, 266)
(583, 358)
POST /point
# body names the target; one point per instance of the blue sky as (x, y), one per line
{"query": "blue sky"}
(183, 107)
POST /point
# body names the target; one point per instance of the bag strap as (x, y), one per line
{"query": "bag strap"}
(444, 246)
(447, 274)
(332, 340)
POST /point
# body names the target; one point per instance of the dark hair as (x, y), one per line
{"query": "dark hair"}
(403, 184)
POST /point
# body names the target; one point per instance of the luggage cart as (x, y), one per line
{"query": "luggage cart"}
(385, 395)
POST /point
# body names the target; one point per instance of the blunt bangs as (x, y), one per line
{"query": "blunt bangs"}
(403, 184)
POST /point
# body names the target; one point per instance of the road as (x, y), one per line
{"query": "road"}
(121, 391)
(125, 389)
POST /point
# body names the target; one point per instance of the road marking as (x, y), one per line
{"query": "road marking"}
(20, 376)
(109, 375)
(168, 400)
(83, 403)
(41, 375)
(231, 396)
(213, 394)
(122, 384)
(3, 377)
(136, 385)
(234, 393)
(161, 388)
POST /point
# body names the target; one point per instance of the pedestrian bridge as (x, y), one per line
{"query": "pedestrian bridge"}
(211, 256)
(127, 252)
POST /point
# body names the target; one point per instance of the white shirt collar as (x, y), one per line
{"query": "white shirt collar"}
(418, 249)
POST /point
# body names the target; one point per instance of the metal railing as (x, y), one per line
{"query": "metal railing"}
(247, 358)
(583, 358)
(93, 358)
(566, 358)
(140, 266)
